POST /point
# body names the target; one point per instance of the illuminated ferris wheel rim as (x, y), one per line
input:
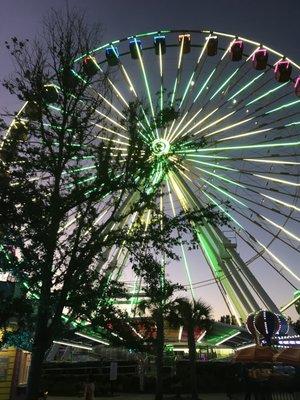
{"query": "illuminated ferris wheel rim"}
(188, 31)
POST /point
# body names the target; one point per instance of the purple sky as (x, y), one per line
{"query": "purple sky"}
(274, 23)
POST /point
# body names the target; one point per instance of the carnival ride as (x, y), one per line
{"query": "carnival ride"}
(231, 140)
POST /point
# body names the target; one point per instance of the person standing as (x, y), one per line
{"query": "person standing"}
(89, 389)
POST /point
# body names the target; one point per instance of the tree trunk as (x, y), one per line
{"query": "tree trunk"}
(40, 345)
(192, 359)
(159, 358)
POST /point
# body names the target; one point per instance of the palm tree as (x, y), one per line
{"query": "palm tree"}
(191, 314)
(157, 306)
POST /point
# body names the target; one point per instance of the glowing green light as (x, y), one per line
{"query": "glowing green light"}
(283, 106)
(160, 147)
(223, 210)
(266, 94)
(204, 85)
(224, 84)
(246, 86)
(254, 146)
(224, 192)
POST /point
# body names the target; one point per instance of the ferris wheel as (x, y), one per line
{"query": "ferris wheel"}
(233, 110)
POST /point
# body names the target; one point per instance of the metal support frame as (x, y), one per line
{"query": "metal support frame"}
(227, 266)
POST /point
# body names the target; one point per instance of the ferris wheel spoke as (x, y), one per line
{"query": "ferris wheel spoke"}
(98, 94)
(283, 203)
(267, 93)
(248, 187)
(258, 253)
(118, 93)
(132, 89)
(197, 69)
(169, 131)
(187, 269)
(178, 74)
(128, 80)
(241, 183)
(255, 198)
(246, 86)
(216, 71)
(281, 228)
(161, 74)
(252, 243)
(251, 116)
(265, 229)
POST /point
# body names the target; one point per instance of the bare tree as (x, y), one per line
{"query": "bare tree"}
(63, 188)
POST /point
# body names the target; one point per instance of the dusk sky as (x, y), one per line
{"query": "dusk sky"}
(271, 22)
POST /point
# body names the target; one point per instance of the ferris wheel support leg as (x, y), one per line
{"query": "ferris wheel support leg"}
(255, 284)
(223, 276)
(229, 262)
(222, 246)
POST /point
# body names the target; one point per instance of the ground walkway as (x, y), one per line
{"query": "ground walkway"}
(209, 396)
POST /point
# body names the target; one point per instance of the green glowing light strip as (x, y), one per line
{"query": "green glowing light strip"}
(161, 78)
(116, 90)
(189, 84)
(214, 165)
(287, 105)
(246, 86)
(132, 89)
(254, 146)
(221, 177)
(100, 95)
(281, 228)
(225, 83)
(133, 294)
(224, 192)
(246, 134)
(185, 126)
(266, 94)
(281, 263)
(223, 210)
(277, 180)
(145, 78)
(204, 84)
(178, 72)
(289, 205)
(182, 248)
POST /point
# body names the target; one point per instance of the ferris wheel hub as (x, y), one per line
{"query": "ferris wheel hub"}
(160, 147)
